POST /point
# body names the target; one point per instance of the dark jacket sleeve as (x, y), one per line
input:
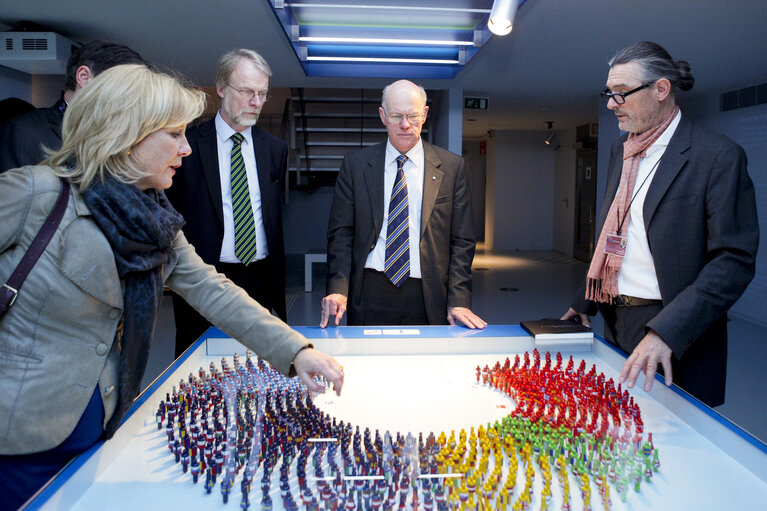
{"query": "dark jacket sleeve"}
(732, 237)
(462, 243)
(20, 145)
(341, 232)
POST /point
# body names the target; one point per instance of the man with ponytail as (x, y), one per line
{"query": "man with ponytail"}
(678, 235)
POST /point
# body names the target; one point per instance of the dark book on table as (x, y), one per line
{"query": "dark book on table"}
(550, 328)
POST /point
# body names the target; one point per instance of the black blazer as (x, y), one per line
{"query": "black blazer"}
(22, 138)
(196, 194)
(701, 223)
(447, 238)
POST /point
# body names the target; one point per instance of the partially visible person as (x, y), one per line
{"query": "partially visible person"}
(400, 240)
(13, 107)
(230, 194)
(74, 345)
(24, 137)
(679, 231)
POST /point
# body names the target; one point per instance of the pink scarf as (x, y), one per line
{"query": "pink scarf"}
(602, 284)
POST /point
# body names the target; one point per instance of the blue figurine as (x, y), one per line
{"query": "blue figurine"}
(195, 470)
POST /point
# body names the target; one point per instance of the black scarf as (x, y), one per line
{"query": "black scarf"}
(140, 228)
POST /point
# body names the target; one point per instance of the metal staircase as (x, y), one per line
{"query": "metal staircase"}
(324, 125)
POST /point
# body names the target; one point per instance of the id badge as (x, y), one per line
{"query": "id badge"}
(615, 245)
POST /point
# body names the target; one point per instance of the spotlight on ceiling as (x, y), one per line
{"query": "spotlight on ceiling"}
(551, 136)
(502, 16)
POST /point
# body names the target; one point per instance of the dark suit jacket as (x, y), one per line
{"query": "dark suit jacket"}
(22, 138)
(447, 241)
(196, 194)
(701, 223)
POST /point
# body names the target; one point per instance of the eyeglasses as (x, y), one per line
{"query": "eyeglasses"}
(620, 97)
(397, 118)
(250, 94)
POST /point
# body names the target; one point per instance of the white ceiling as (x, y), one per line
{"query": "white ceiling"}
(551, 67)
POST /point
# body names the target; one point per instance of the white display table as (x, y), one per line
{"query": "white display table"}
(422, 379)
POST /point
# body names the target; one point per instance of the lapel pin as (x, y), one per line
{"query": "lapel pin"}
(434, 178)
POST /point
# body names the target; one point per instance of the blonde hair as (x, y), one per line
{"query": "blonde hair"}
(113, 113)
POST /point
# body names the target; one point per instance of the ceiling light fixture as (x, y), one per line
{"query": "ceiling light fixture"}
(552, 134)
(375, 59)
(551, 138)
(346, 7)
(502, 15)
(424, 42)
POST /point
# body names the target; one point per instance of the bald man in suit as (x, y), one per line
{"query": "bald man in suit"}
(432, 284)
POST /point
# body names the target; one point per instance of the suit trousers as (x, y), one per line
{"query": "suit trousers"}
(254, 278)
(385, 304)
(625, 328)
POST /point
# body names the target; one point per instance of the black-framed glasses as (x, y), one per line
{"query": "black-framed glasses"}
(250, 94)
(620, 97)
(397, 118)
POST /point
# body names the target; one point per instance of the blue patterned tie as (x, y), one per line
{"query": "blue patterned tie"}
(244, 225)
(397, 265)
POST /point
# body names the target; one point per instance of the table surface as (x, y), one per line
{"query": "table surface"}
(422, 379)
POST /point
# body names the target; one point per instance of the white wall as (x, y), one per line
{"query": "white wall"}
(46, 89)
(520, 192)
(15, 84)
(564, 193)
(40, 90)
(747, 127)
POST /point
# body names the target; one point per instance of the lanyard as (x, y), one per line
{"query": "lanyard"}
(625, 213)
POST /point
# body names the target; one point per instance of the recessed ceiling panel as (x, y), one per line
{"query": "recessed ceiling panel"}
(426, 39)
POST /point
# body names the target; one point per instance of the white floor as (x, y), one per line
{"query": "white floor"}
(515, 286)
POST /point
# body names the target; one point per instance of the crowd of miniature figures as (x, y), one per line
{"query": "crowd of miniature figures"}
(241, 422)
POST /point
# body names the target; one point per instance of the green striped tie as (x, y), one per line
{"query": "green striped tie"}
(244, 226)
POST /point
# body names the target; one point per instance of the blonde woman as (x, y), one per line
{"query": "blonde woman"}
(74, 346)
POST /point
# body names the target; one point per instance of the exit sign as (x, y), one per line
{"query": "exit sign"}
(470, 103)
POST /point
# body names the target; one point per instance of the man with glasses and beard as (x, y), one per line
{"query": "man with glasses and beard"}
(230, 192)
(679, 231)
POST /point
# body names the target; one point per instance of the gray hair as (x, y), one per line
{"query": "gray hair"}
(656, 63)
(386, 89)
(229, 60)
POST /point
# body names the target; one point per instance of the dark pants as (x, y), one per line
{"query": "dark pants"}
(254, 278)
(24, 474)
(702, 370)
(386, 304)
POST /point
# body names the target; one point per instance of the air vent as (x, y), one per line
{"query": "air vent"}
(745, 97)
(36, 53)
(34, 44)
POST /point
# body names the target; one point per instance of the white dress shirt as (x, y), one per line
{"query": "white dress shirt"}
(413, 169)
(637, 275)
(225, 143)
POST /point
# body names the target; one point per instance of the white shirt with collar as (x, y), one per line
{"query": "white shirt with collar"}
(413, 169)
(637, 275)
(224, 143)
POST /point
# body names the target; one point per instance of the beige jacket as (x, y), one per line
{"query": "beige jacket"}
(57, 341)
